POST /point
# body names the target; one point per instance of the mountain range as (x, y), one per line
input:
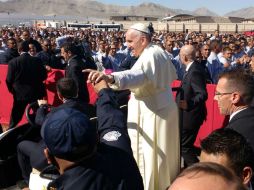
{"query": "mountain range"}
(90, 8)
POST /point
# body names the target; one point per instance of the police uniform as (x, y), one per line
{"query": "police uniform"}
(113, 165)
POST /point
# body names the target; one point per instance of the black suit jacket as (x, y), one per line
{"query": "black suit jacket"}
(194, 92)
(243, 123)
(74, 70)
(10, 54)
(25, 78)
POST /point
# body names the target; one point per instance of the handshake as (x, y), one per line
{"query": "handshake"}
(98, 79)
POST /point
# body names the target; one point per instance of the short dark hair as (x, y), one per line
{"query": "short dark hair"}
(68, 46)
(232, 144)
(213, 169)
(241, 80)
(12, 39)
(26, 31)
(67, 87)
(23, 46)
(227, 49)
(214, 44)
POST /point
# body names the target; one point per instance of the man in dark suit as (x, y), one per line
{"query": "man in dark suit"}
(24, 80)
(12, 50)
(75, 65)
(234, 94)
(191, 101)
(26, 36)
(48, 57)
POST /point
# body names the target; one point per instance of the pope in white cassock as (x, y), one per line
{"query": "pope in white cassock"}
(152, 113)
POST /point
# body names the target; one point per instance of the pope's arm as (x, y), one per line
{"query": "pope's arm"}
(129, 79)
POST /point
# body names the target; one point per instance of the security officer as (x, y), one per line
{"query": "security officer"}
(83, 162)
(30, 153)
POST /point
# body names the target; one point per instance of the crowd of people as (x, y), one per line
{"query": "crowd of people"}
(108, 48)
(140, 148)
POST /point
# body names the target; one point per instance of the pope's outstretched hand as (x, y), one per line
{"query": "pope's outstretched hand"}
(96, 76)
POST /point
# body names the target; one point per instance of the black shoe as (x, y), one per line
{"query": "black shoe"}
(22, 184)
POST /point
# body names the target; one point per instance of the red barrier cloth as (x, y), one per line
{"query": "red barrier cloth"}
(6, 98)
(214, 119)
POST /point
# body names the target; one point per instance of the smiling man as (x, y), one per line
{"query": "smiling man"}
(152, 112)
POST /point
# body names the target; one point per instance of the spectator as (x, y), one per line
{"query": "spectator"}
(115, 58)
(12, 50)
(48, 57)
(26, 37)
(213, 63)
(32, 50)
(226, 57)
(2, 53)
(205, 52)
(169, 48)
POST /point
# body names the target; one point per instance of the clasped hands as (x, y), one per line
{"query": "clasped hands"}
(98, 79)
(96, 76)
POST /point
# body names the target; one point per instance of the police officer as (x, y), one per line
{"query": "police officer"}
(85, 161)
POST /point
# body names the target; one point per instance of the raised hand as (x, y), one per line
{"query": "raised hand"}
(96, 76)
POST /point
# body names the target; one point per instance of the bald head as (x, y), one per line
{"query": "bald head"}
(187, 54)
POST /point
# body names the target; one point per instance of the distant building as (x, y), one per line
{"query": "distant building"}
(186, 18)
(133, 18)
(248, 20)
(177, 18)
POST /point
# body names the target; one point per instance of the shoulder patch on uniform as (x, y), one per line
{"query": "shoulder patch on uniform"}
(112, 136)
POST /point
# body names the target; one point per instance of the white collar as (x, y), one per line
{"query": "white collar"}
(188, 66)
(24, 53)
(250, 186)
(236, 112)
(71, 58)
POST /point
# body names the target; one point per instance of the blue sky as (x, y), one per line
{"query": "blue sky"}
(218, 6)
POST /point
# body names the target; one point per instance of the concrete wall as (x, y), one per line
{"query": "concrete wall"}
(245, 27)
(227, 27)
(199, 27)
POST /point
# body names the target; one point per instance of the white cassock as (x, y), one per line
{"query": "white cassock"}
(152, 117)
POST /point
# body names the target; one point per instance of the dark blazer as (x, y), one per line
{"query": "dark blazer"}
(25, 78)
(74, 70)
(127, 63)
(194, 92)
(10, 54)
(243, 123)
